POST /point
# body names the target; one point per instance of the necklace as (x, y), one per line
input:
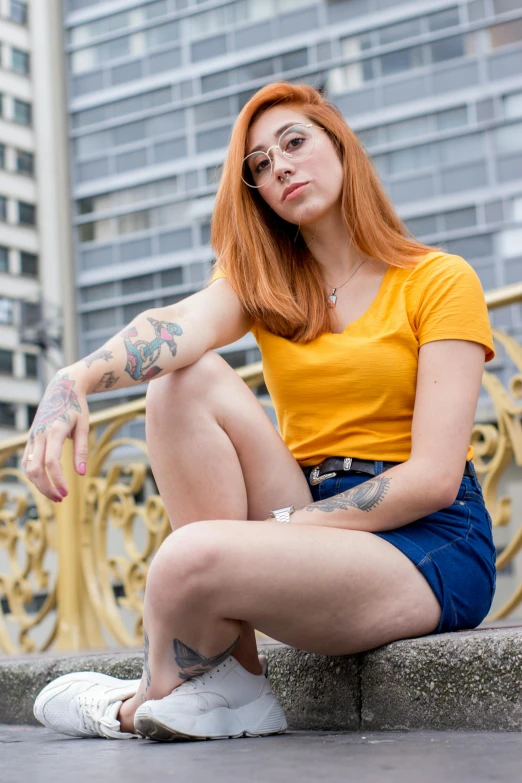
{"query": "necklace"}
(332, 299)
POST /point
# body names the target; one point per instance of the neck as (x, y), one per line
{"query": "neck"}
(330, 245)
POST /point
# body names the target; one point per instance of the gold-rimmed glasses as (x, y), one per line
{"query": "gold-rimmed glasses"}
(295, 143)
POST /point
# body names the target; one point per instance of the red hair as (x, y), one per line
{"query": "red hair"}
(278, 282)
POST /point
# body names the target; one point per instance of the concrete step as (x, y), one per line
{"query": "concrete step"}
(469, 680)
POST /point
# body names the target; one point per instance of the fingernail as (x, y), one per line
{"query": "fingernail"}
(82, 468)
(57, 500)
(63, 492)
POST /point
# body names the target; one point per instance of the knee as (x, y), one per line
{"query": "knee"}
(183, 565)
(187, 383)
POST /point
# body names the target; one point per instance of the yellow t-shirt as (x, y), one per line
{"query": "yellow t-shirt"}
(352, 394)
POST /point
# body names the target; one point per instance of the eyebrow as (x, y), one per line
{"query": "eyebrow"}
(278, 132)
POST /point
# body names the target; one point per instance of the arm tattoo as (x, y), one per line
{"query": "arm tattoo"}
(107, 381)
(146, 667)
(364, 497)
(59, 398)
(142, 355)
(192, 663)
(99, 354)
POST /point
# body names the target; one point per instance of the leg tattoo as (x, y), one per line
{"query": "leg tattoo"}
(146, 667)
(193, 664)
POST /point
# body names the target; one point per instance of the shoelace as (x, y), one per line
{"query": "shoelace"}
(195, 682)
(92, 715)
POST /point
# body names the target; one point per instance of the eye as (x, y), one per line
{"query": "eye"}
(293, 144)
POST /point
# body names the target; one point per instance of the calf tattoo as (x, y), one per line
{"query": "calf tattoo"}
(364, 497)
(58, 400)
(142, 355)
(107, 381)
(192, 663)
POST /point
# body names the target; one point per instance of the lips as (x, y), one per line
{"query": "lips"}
(291, 188)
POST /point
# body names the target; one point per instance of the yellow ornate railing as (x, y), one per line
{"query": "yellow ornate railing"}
(72, 574)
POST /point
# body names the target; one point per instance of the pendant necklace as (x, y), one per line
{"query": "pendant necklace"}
(332, 299)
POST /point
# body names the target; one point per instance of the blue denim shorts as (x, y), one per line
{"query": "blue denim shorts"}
(452, 548)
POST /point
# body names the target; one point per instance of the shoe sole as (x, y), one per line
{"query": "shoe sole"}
(60, 684)
(273, 722)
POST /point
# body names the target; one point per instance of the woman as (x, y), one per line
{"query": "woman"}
(373, 348)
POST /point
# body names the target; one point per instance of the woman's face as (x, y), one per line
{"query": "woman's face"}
(321, 171)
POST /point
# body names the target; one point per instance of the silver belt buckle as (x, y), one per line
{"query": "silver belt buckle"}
(315, 478)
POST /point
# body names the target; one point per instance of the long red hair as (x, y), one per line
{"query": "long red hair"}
(277, 280)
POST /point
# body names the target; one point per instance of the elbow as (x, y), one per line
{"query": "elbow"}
(446, 492)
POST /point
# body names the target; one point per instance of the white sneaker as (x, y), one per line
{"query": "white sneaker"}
(225, 702)
(84, 704)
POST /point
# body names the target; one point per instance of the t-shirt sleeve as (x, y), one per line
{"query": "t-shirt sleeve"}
(452, 305)
(216, 275)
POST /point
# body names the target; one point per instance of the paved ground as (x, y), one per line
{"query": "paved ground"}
(40, 756)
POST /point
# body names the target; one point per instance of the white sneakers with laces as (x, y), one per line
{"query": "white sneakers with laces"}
(85, 704)
(224, 703)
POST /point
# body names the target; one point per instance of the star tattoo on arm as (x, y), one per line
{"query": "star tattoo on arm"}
(99, 354)
(365, 497)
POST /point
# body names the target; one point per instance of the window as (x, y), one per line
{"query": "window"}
(20, 60)
(31, 365)
(7, 414)
(1, 104)
(6, 310)
(510, 242)
(6, 362)
(509, 138)
(95, 293)
(137, 285)
(22, 112)
(447, 48)
(505, 34)
(31, 413)
(4, 259)
(18, 11)
(28, 264)
(24, 162)
(402, 60)
(513, 105)
(3, 208)
(26, 213)
(2, 156)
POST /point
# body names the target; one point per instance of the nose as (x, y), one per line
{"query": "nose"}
(281, 164)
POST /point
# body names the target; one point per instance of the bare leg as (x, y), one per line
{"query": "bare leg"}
(216, 455)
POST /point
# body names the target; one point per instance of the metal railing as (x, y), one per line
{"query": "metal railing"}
(72, 574)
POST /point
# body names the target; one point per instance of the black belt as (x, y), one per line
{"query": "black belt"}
(332, 465)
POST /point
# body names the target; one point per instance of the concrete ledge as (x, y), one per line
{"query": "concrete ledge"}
(467, 680)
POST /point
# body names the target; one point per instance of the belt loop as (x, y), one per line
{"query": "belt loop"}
(379, 467)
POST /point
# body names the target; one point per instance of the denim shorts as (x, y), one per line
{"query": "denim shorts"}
(452, 548)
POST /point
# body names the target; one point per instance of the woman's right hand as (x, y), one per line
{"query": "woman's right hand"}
(62, 413)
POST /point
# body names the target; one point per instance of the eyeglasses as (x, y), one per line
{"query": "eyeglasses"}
(295, 143)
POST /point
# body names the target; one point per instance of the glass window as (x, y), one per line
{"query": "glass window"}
(172, 277)
(410, 159)
(18, 11)
(22, 112)
(4, 259)
(94, 293)
(213, 174)
(443, 19)
(31, 413)
(409, 129)
(6, 310)
(508, 138)
(25, 162)
(31, 365)
(2, 156)
(423, 226)
(26, 213)
(504, 6)
(452, 118)
(350, 77)
(3, 208)
(215, 81)
(402, 60)
(212, 110)
(6, 362)
(505, 34)
(7, 414)
(397, 32)
(166, 123)
(297, 59)
(131, 160)
(100, 319)
(131, 311)
(460, 218)
(213, 139)
(1, 104)
(447, 48)
(28, 264)
(511, 242)
(513, 104)
(20, 60)
(137, 285)
(461, 150)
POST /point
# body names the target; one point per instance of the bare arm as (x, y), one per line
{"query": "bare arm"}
(155, 343)
(164, 339)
